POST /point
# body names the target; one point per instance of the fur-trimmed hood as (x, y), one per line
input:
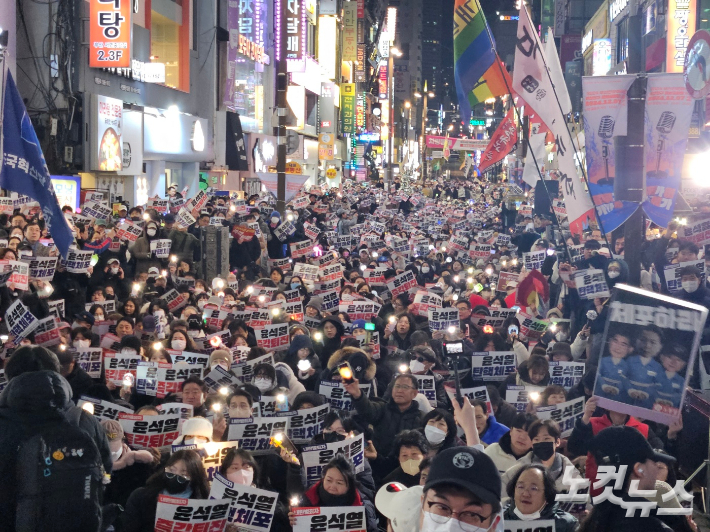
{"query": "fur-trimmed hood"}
(357, 359)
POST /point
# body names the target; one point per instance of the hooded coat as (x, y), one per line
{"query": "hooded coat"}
(28, 402)
(302, 341)
(364, 367)
(522, 378)
(142, 253)
(274, 246)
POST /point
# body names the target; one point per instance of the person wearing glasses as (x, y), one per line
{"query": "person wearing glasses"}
(184, 476)
(532, 493)
(462, 492)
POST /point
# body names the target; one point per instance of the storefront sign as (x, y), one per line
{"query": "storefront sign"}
(110, 29)
(602, 57)
(295, 24)
(681, 26)
(587, 40)
(109, 125)
(616, 7)
(347, 107)
(349, 31)
(67, 190)
(456, 144)
(382, 79)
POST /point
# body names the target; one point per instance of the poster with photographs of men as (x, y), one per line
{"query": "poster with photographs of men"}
(649, 346)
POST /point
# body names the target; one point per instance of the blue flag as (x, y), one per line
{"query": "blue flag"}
(24, 169)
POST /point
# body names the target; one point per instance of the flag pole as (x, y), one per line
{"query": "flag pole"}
(526, 137)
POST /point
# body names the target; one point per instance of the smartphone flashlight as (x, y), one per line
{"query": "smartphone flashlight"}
(346, 373)
(216, 407)
(157, 346)
(534, 397)
(304, 365)
(88, 407)
(224, 390)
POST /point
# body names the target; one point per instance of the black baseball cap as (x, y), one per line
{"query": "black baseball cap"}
(469, 469)
(624, 446)
(85, 316)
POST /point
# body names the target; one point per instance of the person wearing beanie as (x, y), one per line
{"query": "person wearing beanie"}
(194, 431)
(131, 469)
(314, 307)
(303, 361)
(220, 357)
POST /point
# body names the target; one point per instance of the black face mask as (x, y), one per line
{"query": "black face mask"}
(329, 437)
(328, 499)
(175, 483)
(544, 450)
(135, 218)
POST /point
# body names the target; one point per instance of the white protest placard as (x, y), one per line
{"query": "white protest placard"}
(212, 454)
(697, 232)
(402, 283)
(104, 409)
(565, 414)
(47, 332)
(671, 273)
(519, 396)
(475, 393)
(480, 251)
(251, 509)
(427, 387)
(20, 321)
(374, 277)
(184, 218)
(441, 319)
(541, 525)
(109, 305)
(77, 261)
(197, 359)
(301, 249)
(424, 302)
(183, 410)
(128, 230)
(534, 260)
(306, 423)
(591, 283)
(531, 327)
(253, 434)
(497, 317)
(159, 379)
(96, 210)
(89, 359)
(336, 396)
(566, 374)
(42, 268)
(175, 299)
(150, 430)
(117, 365)
(219, 377)
(19, 271)
(307, 272)
(492, 365)
(56, 308)
(360, 310)
(173, 514)
(506, 277)
(3, 380)
(161, 247)
(315, 457)
(348, 518)
(273, 337)
(331, 300)
(285, 230)
(159, 204)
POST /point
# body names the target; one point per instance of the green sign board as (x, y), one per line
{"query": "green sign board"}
(347, 107)
(478, 122)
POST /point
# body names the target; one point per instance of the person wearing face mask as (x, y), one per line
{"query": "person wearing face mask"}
(194, 431)
(440, 431)
(422, 362)
(426, 274)
(179, 340)
(184, 476)
(545, 436)
(693, 290)
(145, 257)
(409, 449)
(275, 247)
(337, 487)
(532, 498)
(131, 469)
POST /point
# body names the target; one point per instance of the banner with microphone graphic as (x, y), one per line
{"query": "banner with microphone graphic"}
(669, 109)
(605, 116)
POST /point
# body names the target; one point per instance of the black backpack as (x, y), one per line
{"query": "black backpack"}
(59, 479)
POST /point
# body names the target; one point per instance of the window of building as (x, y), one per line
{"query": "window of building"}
(622, 40)
(704, 18)
(170, 40)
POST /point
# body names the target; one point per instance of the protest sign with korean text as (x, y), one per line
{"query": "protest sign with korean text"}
(441, 319)
(212, 454)
(20, 321)
(253, 434)
(191, 515)
(336, 396)
(103, 409)
(306, 423)
(250, 509)
(315, 457)
(116, 366)
(649, 346)
(591, 283)
(150, 430)
(566, 374)
(89, 359)
(493, 365)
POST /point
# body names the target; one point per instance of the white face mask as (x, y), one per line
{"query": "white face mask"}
(239, 413)
(151, 231)
(159, 313)
(201, 304)
(99, 317)
(527, 517)
(117, 454)
(690, 286)
(225, 366)
(416, 367)
(198, 291)
(561, 337)
(128, 352)
(178, 345)
(274, 220)
(82, 344)
(114, 271)
(452, 525)
(195, 441)
(243, 477)
(263, 384)
(425, 269)
(434, 435)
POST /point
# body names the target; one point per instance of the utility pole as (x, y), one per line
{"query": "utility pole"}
(630, 182)
(281, 107)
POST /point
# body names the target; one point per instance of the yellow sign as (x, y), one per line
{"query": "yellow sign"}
(331, 173)
(326, 147)
(291, 168)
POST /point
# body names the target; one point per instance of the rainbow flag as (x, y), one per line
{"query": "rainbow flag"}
(477, 75)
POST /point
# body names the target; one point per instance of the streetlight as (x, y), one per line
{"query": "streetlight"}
(451, 127)
(395, 52)
(431, 94)
(417, 94)
(407, 104)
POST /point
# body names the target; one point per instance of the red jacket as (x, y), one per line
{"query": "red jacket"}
(476, 300)
(312, 495)
(599, 424)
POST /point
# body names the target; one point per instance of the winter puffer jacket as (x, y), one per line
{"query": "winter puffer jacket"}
(29, 401)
